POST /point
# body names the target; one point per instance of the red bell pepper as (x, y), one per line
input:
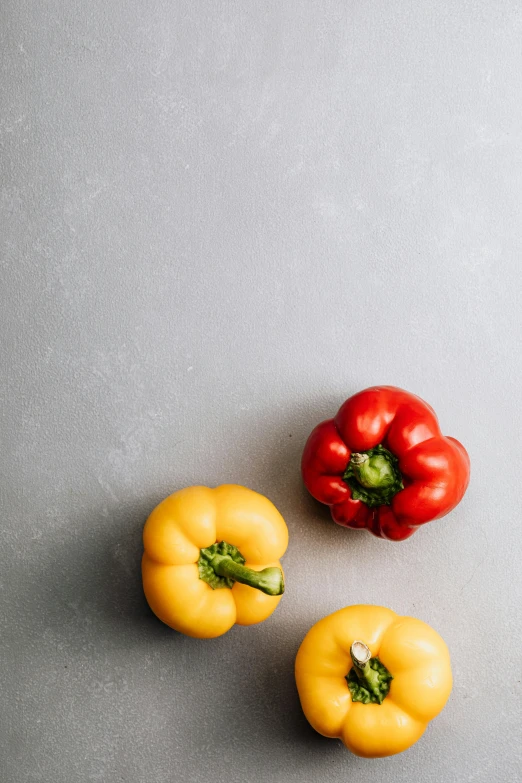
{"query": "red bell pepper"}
(383, 464)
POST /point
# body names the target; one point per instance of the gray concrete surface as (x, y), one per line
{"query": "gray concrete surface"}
(218, 221)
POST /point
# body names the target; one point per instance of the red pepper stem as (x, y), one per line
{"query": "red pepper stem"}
(374, 471)
(358, 459)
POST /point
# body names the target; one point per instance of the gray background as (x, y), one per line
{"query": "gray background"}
(218, 221)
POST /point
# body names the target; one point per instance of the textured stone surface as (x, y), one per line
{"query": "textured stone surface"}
(218, 221)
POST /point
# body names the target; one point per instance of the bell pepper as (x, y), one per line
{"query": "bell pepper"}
(212, 559)
(372, 679)
(382, 464)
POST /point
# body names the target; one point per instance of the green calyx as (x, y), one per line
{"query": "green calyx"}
(369, 679)
(207, 573)
(373, 476)
(222, 564)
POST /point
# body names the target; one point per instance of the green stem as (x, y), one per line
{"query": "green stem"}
(373, 476)
(368, 680)
(269, 580)
(222, 564)
(373, 472)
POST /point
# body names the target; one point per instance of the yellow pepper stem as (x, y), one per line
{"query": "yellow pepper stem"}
(269, 580)
(371, 682)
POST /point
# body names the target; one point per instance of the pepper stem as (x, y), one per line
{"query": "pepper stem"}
(269, 580)
(373, 472)
(373, 476)
(361, 655)
(368, 680)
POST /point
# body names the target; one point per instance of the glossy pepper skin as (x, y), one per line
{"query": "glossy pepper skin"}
(416, 658)
(382, 464)
(190, 577)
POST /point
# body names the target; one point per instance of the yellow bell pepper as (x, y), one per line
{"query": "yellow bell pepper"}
(372, 678)
(212, 559)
